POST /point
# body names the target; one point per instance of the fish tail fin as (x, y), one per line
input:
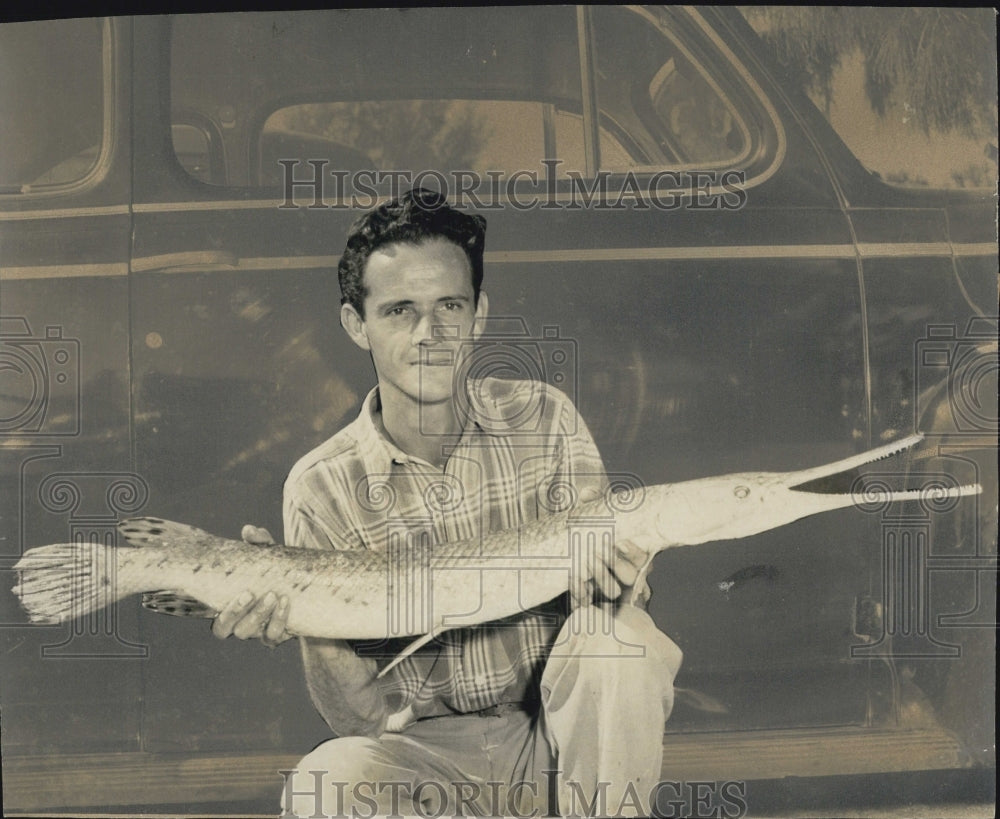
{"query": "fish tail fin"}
(65, 581)
(177, 604)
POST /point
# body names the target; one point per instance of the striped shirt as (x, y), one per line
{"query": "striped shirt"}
(524, 453)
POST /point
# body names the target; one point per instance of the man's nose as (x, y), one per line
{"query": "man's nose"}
(431, 330)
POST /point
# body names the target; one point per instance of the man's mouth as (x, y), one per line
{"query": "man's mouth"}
(436, 358)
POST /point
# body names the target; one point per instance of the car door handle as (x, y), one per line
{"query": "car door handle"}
(186, 261)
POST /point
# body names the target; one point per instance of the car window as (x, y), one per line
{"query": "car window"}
(51, 102)
(475, 89)
(379, 88)
(485, 137)
(199, 151)
(658, 98)
(443, 134)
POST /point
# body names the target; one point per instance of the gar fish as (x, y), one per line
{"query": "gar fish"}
(426, 589)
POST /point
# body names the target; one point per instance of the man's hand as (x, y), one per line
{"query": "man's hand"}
(247, 617)
(607, 571)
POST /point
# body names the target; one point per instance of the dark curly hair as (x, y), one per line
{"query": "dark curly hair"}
(417, 215)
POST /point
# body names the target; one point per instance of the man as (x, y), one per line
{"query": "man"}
(479, 720)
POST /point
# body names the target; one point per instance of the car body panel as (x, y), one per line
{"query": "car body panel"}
(773, 326)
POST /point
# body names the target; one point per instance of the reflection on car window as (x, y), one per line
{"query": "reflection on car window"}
(51, 102)
(502, 93)
(482, 136)
(360, 90)
(649, 89)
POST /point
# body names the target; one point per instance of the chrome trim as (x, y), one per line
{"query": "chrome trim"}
(64, 271)
(195, 262)
(63, 213)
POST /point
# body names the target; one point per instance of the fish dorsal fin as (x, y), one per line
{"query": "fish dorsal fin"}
(176, 604)
(420, 642)
(157, 532)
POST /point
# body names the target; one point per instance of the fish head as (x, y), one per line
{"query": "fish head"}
(739, 505)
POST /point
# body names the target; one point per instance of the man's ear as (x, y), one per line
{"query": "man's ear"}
(482, 311)
(355, 326)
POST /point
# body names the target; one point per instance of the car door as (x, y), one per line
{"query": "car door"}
(65, 226)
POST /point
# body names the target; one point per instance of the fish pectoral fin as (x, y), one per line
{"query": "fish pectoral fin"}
(699, 700)
(420, 642)
(177, 605)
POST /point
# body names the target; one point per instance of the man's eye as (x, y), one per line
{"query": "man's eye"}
(397, 311)
(452, 305)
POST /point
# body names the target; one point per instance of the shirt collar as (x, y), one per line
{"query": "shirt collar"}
(377, 451)
(493, 405)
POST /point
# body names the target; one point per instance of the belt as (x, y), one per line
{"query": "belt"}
(501, 709)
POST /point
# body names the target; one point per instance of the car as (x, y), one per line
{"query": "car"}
(677, 239)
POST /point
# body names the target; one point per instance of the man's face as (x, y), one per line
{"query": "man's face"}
(419, 318)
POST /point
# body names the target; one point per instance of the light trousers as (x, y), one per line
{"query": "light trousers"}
(595, 746)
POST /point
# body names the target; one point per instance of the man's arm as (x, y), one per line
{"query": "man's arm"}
(341, 684)
(342, 687)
